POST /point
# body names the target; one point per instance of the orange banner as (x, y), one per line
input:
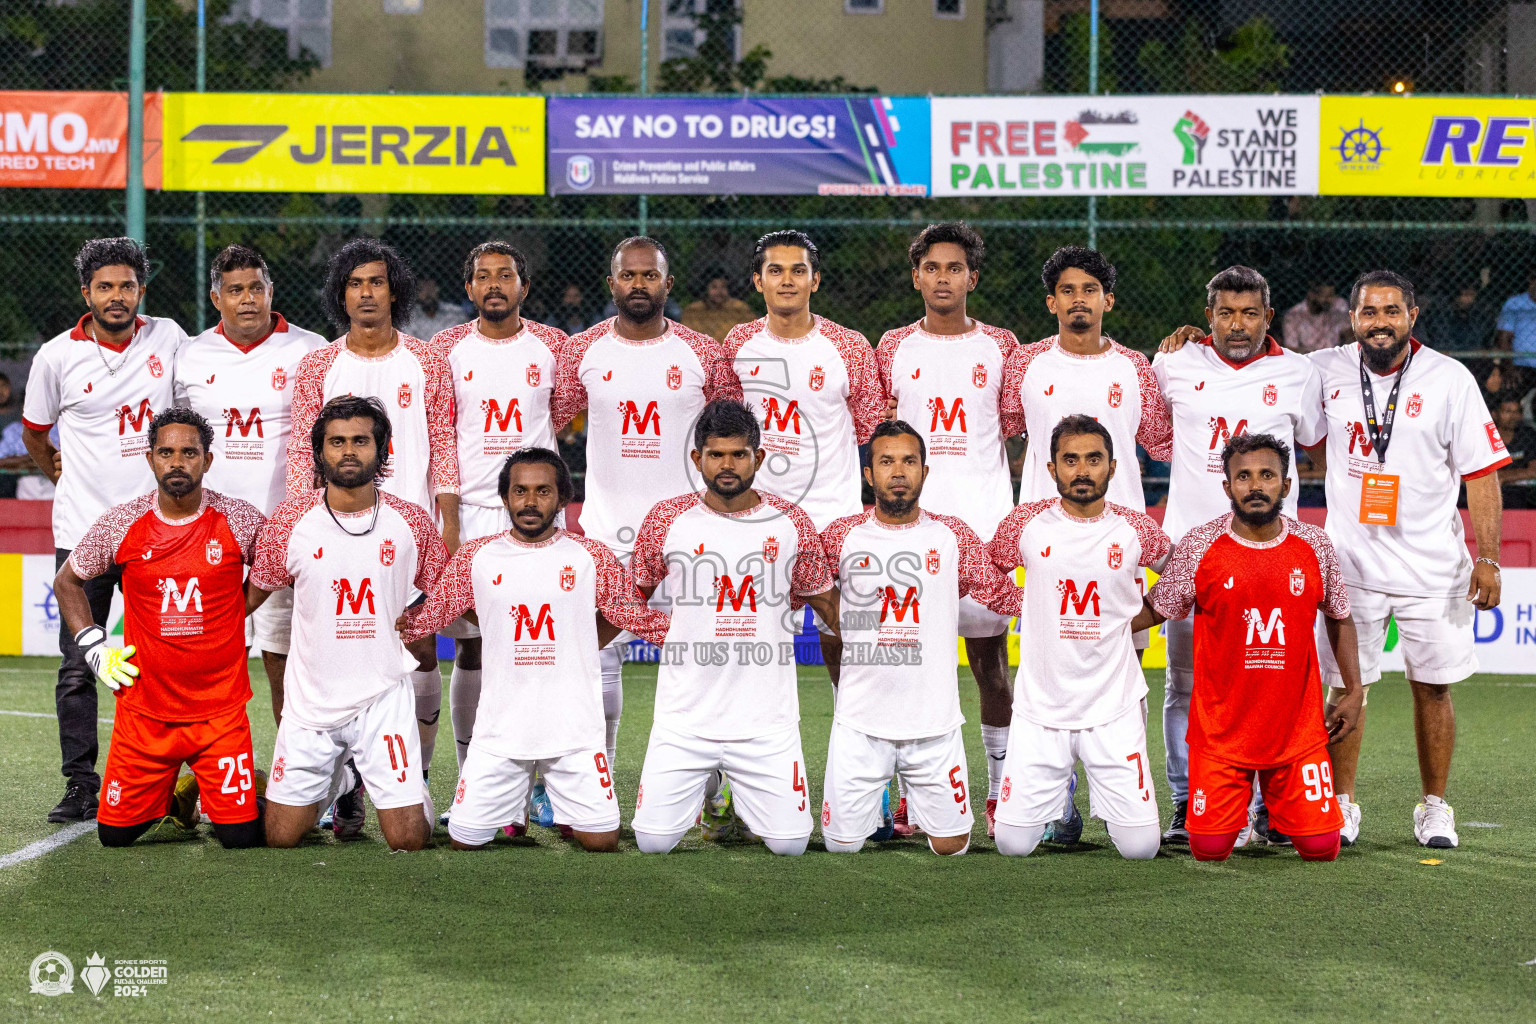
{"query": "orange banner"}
(73, 139)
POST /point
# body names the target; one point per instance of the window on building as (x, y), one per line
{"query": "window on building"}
(548, 33)
(308, 23)
(402, 6)
(949, 8)
(863, 6)
(680, 33)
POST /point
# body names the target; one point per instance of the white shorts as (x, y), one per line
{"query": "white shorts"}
(977, 620)
(1114, 755)
(381, 739)
(269, 627)
(1434, 633)
(767, 777)
(493, 791)
(934, 779)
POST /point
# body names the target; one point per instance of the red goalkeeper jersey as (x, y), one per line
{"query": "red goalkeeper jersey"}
(1257, 699)
(183, 601)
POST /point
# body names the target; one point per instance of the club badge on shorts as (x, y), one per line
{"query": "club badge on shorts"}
(1197, 806)
(114, 792)
(387, 553)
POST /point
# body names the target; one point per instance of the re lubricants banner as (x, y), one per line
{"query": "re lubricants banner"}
(846, 145)
(1124, 145)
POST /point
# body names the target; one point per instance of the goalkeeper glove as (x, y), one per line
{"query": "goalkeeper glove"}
(110, 664)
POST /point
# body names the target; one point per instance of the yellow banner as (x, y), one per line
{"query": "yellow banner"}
(298, 142)
(1451, 146)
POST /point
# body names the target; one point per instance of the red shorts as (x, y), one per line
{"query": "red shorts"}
(1299, 796)
(146, 756)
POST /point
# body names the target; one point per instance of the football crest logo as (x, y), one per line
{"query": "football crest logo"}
(214, 552)
(674, 377)
(1415, 404)
(979, 375)
(404, 396)
(114, 792)
(818, 378)
(533, 375)
(826, 813)
(932, 563)
(1197, 806)
(387, 553)
(1007, 789)
(458, 796)
(1116, 556)
(1298, 581)
(1115, 395)
(1271, 394)
(568, 578)
(771, 549)
(278, 767)
(156, 369)
(279, 379)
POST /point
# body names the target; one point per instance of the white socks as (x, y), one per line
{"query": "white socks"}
(428, 685)
(612, 665)
(994, 738)
(463, 702)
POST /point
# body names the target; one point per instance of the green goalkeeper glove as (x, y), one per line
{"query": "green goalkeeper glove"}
(110, 664)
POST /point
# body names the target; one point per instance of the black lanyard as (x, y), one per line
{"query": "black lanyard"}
(1381, 435)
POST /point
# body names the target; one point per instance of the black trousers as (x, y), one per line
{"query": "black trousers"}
(75, 694)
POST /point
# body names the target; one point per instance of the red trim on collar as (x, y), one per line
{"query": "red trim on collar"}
(78, 334)
(279, 325)
(1271, 348)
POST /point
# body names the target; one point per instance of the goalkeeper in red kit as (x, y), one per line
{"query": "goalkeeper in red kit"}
(181, 681)
(1256, 580)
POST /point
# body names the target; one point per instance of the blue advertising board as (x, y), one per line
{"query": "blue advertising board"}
(812, 145)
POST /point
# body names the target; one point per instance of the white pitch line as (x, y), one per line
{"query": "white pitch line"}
(32, 851)
(43, 714)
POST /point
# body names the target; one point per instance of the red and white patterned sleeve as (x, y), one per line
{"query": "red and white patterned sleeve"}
(1010, 414)
(1154, 543)
(570, 395)
(885, 357)
(619, 600)
(453, 595)
(978, 576)
(308, 398)
(442, 440)
(1004, 546)
(96, 552)
(1155, 432)
(809, 576)
(431, 552)
(648, 563)
(866, 395)
(835, 536)
(1174, 593)
(1011, 400)
(445, 339)
(738, 336)
(245, 522)
(269, 570)
(1335, 593)
(720, 380)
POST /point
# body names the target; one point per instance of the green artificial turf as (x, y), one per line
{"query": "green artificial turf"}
(540, 931)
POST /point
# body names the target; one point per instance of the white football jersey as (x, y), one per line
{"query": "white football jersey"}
(543, 686)
(821, 398)
(1442, 435)
(502, 389)
(642, 399)
(950, 388)
(413, 383)
(246, 395)
(103, 399)
(900, 587)
(350, 583)
(1078, 666)
(735, 584)
(1046, 383)
(1211, 401)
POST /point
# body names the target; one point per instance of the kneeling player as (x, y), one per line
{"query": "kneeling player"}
(534, 591)
(183, 552)
(898, 697)
(1253, 578)
(726, 694)
(1079, 694)
(352, 553)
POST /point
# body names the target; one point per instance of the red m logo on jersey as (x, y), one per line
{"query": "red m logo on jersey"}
(888, 603)
(232, 419)
(347, 597)
(780, 421)
(535, 624)
(513, 414)
(651, 420)
(1359, 436)
(1221, 433)
(1079, 602)
(170, 592)
(744, 593)
(126, 415)
(947, 415)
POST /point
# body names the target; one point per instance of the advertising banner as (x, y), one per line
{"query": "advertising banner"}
(1124, 145)
(73, 140)
(1452, 146)
(844, 145)
(293, 142)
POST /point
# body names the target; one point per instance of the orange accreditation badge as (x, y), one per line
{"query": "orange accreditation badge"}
(1378, 499)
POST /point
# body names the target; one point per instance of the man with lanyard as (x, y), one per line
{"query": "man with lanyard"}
(1406, 428)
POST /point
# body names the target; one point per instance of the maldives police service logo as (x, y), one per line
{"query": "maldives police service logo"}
(580, 172)
(52, 974)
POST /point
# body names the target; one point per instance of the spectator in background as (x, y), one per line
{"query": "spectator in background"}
(432, 314)
(718, 311)
(571, 315)
(1516, 332)
(1462, 326)
(1319, 321)
(10, 408)
(1519, 438)
(19, 475)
